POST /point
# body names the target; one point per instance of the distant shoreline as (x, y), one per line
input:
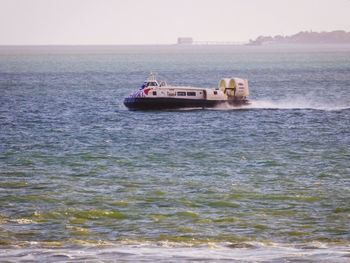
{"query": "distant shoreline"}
(171, 45)
(338, 37)
(160, 48)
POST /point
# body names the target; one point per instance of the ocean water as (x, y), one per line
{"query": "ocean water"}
(84, 179)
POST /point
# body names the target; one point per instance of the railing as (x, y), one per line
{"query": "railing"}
(218, 43)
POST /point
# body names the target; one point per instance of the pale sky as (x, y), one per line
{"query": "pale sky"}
(74, 22)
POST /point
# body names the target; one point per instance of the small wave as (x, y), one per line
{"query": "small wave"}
(247, 252)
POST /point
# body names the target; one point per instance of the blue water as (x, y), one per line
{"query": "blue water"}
(83, 178)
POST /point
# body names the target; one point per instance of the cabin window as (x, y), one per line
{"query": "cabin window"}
(150, 84)
(154, 93)
(171, 92)
(191, 93)
(181, 93)
(215, 92)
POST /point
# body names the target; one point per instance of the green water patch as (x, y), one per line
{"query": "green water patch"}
(158, 217)
(270, 163)
(50, 216)
(78, 217)
(131, 186)
(220, 204)
(260, 227)
(273, 197)
(187, 203)
(204, 221)
(309, 199)
(120, 203)
(222, 174)
(185, 230)
(5, 242)
(324, 175)
(296, 233)
(193, 184)
(279, 212)
(153, 199)
(26, 162)
(77, 221)
(97, 214)
(339, 210)
(226, 220)
(236, 196)
(39, 198)
(14, 174)
(3, 219)
(339, 231)
(98, 169)
(278, 197)
(187, 214)
(14, 184)
(157, 193)
(179, 215)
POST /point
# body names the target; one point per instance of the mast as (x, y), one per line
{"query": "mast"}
(151, 77)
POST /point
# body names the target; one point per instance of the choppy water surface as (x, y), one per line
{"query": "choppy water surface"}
(83, 178)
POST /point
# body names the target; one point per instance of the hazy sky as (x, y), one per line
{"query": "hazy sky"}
(162, 21)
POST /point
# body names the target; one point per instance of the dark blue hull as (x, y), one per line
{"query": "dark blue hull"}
(175, 103)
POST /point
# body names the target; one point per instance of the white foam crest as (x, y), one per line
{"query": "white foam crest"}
(285, 104)
(298, 103)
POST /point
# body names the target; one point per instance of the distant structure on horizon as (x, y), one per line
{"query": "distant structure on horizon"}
(305, 37)
(184, 40)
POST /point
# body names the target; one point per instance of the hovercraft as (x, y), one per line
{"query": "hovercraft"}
(154, 95)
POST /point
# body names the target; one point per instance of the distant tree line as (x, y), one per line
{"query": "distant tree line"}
(305, 37)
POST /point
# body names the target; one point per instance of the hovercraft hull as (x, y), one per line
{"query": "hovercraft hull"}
(176, 103)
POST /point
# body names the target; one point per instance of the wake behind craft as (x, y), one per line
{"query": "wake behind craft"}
(154, 95)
